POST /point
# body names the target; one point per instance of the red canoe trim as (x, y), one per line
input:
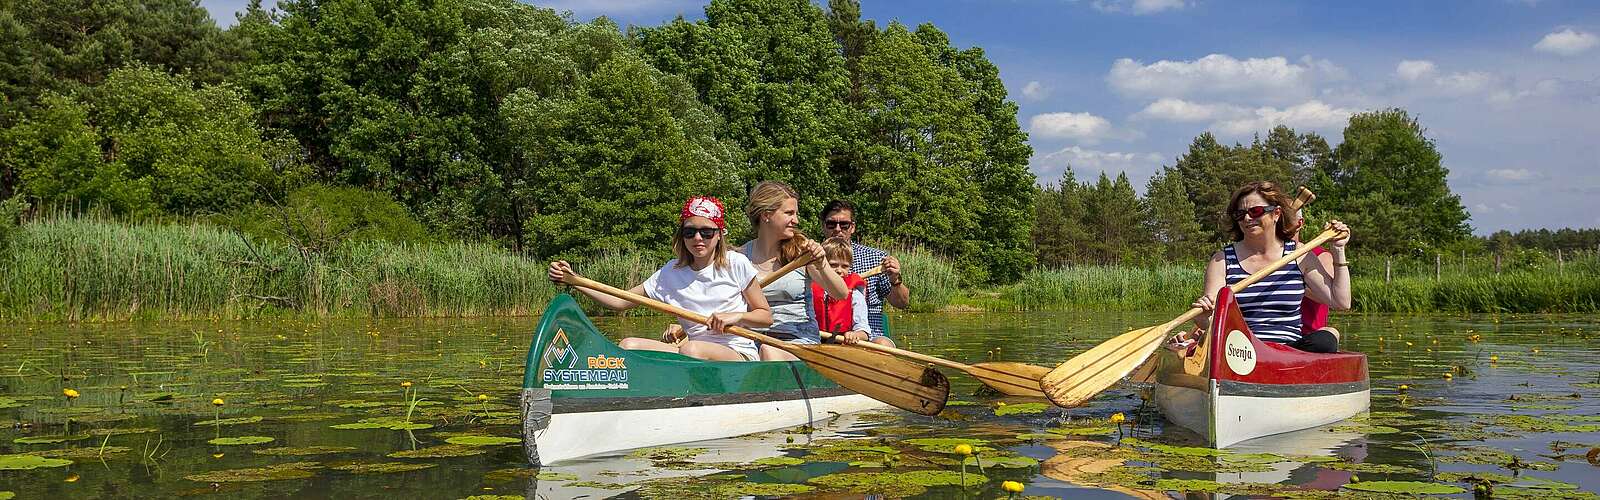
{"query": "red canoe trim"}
(1275, 363)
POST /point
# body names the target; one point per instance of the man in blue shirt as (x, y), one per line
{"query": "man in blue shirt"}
(838, 221)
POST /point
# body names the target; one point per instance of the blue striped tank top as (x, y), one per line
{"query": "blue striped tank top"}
(1271, 306)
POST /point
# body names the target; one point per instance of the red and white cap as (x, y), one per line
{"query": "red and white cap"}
(703, 206)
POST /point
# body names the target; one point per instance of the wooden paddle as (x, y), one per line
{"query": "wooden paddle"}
(912, 387)
(1010, 378)
(1078, 379)
(1146, 373)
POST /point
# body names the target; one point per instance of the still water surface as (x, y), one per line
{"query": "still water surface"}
(1522, 388)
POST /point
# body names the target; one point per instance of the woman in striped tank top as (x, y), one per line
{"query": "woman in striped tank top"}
(1271, 306)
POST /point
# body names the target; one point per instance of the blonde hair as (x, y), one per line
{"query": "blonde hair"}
(837, 250)
(766, 198)
(680, 249)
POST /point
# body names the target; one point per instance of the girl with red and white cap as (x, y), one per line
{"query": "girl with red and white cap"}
(705, 278)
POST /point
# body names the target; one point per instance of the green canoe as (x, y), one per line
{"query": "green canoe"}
(584, 396)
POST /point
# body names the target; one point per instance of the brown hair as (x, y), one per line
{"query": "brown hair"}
(836, 249)
(680, 249)
(766, 198)
(1267, 189)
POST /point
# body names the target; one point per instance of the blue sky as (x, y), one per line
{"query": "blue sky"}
(1509, 89)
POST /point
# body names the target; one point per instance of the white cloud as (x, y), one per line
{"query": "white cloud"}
(1567, 42)
(1551, 88)
(1138, 7)
(1311, 114)
(1423, 76)
(1512, 175)
(1035, 91)
(1221, 74)
(1412, 71)
(1089, 163)
(1086, 128)
(1179, 110)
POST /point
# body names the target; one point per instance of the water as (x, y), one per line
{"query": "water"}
(145, 386)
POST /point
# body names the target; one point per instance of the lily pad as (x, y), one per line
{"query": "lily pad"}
(667, 454)
(441, 451)
(89, 452)
(232, 441)
(483, 440)
(1369, 468)
(293, 470)
(1021, 409)
(1208, 486)
(896, 484)
(391, 423)
(71, 410)
(49, 439)
(1364, 429)
(778, 461)
(122, 431)
(1405, 487)
(382, 468)
(297, 451)
(1082, 431)
(30, 462)
(230, 421)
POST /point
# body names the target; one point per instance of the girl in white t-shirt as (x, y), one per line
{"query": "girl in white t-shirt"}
(705, 278)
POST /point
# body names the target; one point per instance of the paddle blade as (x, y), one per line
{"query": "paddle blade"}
(906, 385)
(1010, 378)
(1079, 379)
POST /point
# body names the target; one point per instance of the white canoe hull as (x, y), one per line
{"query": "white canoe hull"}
(576, 435)
(1226, 419)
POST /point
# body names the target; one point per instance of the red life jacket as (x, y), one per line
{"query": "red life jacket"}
(835, 316)
(1313, 314)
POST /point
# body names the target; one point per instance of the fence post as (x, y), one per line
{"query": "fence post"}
(1561, 267)
(1497, 262)
(1387, 267)
(1438, 265)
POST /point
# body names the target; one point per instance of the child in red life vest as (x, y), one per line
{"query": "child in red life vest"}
(846, 317)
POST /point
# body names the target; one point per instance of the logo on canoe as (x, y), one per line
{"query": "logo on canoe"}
(558, 368)
(1240, 354)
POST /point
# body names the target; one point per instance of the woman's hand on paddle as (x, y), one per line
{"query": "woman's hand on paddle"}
(852, 337)
(818, 256)
(1205, 303)
(560, 270)
(719, 322)
(1339, 226)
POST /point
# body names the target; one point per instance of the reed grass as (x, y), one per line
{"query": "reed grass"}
(79, 268)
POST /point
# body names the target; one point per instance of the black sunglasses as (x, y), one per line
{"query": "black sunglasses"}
(840, 224)
(1255, 212)
(706, 233)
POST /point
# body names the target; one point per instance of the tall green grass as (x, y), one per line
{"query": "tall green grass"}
(81, 269)
(1106, 287)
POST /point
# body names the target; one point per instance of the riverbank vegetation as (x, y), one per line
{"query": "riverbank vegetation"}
(74, 269)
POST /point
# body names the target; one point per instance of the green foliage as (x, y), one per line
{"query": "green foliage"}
(1388, 179)
(1169, 217)
(64, 45)
(144, 143)
(1211, 172)
(318, 218)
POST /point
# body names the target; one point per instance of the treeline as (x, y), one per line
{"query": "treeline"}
(497, 121)
(1386, 179)
(1566, 239)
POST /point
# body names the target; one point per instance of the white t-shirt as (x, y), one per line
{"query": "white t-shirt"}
(707, 291)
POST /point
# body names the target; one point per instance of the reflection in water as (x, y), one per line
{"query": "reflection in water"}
(143, 387)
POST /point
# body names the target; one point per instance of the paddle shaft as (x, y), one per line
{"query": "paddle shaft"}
(902, 352)
(786, 269)
(664, 307)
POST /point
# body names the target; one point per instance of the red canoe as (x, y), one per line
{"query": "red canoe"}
(1234, 387)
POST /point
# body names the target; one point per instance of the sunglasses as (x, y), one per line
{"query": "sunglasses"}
(1255, 212)
(706, 233)
(837, 224)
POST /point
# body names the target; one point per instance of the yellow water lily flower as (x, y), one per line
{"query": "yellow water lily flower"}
(1118, 417)
(483, 397)
(405, 384)
(218, 402)
(964, 449)
(1011, 487)
(70, 393)
(1404, 387)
